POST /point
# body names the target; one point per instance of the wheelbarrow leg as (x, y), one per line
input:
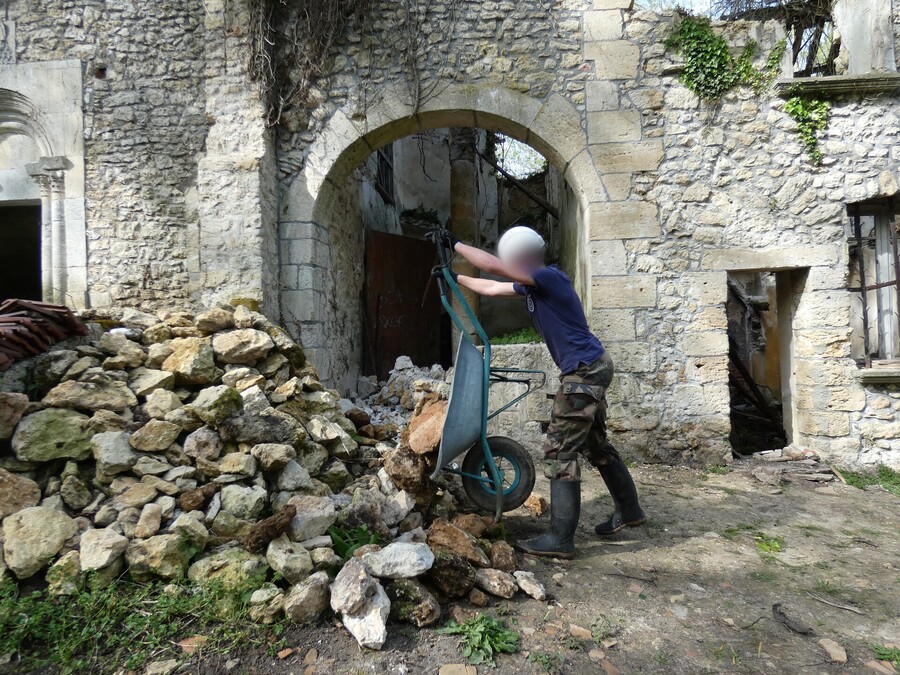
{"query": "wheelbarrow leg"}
(497, 478)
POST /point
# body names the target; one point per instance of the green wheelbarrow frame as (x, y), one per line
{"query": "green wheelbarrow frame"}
(470, 391)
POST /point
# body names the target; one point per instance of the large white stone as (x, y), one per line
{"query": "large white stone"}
(399, 561)
(100, 548)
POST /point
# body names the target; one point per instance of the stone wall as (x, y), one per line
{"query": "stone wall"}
(144, 125)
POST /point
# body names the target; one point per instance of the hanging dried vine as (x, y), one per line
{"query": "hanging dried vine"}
(290, 43)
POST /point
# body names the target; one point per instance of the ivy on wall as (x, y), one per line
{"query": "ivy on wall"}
(811, 116)
(710, 70)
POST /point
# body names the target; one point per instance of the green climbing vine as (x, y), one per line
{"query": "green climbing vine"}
(811, 116)
(710, 69)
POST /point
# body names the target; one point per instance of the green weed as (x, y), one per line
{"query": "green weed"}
(548, 663)
(891, 654)
(827, 587)
(483, 637)
(767, 544)
(518, 337)
(764, 576)
(885, 476)
(347, 541)
(121, 626)
(733, 533)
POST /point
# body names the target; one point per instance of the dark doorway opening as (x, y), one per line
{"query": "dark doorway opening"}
(20, 252)
(755, 369)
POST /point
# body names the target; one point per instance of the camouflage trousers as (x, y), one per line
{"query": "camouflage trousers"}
(578, 422)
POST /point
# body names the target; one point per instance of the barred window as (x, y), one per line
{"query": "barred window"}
(384, 181)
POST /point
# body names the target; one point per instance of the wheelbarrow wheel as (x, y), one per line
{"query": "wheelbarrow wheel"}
(515, 465)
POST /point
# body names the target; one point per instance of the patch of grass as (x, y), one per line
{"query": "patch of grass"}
(483, 637)
(548, 663)
(717, 469)
(884, 476)
(726, 652)
(733, 533)
(827, 587)
(526, 336)
(891, 654)
(121, 626)
(603, 627)
(822, 565)
(347, 541)
(765, 576)
(767, 544)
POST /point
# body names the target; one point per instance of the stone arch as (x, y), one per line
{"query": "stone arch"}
(43, 102)
(553, 126)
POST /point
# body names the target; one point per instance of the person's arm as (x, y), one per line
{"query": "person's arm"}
(488, 287)
(491, 264)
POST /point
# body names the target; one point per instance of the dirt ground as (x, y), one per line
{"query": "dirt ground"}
(691, 592)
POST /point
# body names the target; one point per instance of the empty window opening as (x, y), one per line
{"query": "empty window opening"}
(755, 369)
(20, 252)
(871, 231)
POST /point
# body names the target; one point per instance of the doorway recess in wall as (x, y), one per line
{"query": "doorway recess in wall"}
(755, 368)
(20, 252)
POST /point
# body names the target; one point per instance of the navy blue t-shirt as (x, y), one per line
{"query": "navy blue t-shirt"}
(558, 316)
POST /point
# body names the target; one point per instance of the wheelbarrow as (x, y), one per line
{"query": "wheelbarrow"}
(497, 472)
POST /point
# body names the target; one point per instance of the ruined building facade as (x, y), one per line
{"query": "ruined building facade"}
(136, 131)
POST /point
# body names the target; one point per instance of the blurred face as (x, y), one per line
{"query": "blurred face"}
(526, 262)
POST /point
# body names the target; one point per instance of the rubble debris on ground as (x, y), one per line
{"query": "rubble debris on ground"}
(172, 445)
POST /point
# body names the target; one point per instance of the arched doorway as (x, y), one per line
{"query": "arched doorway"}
(322, 244)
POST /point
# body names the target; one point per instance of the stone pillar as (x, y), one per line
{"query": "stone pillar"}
(58, 235)
(43, 181)
(463, 212)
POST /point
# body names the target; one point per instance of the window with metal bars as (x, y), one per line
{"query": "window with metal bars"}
(874, 261)
(384, 180)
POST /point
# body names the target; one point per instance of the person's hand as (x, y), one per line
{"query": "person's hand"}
(442, 235)
(438, 273)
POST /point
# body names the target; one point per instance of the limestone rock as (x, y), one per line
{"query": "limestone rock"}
(352, 587)
(530, 585)
(452, 575)
(447, 537)
(294, 477)
(135, 496)
(144, 381)
(503, 557)
(113, 452)
(254, 399)
(397, 508)
(155, 436)
(314, 516)
(496, 582)
(266, 427)
(191, 361)
(400, 561)
(412, 603)
(243, 346)
(232, 567)
(197, 499)
(165, 555)
(49, 368)
(407, 470)
(33, 536)
(52, 434)
(474, 524)
(118, 344)
(75, 493)
(369, 624)
(238, 463)
(17, 493)
(242, 501)
(100, 548)
(306, 601)
(160, 402)
(99, 393)
(336, 475)
(214, 405)
(273, 456)
(12, 407)
(215, 320)
(149, 522)
(190, 526)
(64, 576)
(204, 442)
(150, 466)
(426, 428)
(289, 559)
(836, 653)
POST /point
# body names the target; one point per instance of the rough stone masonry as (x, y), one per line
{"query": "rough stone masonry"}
(189, 197)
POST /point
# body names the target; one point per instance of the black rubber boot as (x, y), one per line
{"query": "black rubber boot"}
(628, 510)
(565, 509)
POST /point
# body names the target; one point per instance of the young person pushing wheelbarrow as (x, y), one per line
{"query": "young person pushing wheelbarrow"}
(578, 419)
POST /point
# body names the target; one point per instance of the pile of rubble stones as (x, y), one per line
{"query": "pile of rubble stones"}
(172, 445)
